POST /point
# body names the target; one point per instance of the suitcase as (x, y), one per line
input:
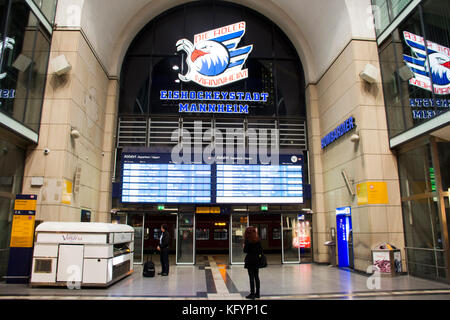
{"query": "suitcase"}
(148, 269)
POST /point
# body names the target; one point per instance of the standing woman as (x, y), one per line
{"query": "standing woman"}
(253, 248)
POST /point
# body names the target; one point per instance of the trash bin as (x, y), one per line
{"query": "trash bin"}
(387, 260)
(332, 247)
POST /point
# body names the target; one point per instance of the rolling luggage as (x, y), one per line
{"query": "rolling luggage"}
(148, 269)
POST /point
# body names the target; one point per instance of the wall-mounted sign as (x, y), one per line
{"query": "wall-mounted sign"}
(214, 59)
(342, 129)
(66, 196)
(436, 67)
(372, 193)
(225, 102)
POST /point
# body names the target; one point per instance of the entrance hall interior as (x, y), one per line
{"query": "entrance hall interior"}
(285, 237)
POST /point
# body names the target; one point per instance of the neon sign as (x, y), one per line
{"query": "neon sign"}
(228, 102)
(337, 133)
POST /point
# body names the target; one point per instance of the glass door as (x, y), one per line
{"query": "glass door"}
(137, 222)
(185, 238)
(290, 235)
(238, 224)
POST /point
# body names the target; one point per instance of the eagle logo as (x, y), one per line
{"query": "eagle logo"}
(214, 60)
(434, 70)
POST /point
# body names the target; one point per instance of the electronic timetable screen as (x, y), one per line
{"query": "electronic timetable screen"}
(259, 184)
(153, 178)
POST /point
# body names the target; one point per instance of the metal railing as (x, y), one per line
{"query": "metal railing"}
(169, 131)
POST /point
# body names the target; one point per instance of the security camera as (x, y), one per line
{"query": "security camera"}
(75, 133)
(60, 65)
(369, 74)
(354, 138)
(46, 151)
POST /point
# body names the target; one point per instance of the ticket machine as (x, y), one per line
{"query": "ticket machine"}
(83, 254)
(344, 238)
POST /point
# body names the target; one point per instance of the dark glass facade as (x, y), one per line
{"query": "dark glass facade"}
(24, 61)
(385, 11)
(416, 81)
(24, 57)
(415, 68)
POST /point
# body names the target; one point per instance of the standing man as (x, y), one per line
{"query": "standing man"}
(163, 248)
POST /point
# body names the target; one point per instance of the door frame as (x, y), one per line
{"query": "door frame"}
(231, 237)
(193, 245)
(282, 241)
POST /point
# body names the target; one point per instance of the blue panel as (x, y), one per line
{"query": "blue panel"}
(343, 226)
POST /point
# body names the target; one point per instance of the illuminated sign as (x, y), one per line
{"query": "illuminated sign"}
(207, 210)
(220, 224)
(155, 178)
(342, 129)
(225, 102)
(424, 108)
(432, 69)
(214, 59)
(22, 232)
(344, 211)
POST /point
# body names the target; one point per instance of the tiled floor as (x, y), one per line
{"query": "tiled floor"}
(213, 278)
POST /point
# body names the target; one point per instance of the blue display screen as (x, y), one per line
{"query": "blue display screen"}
(166, 183)
(259, 184)
(150, 178)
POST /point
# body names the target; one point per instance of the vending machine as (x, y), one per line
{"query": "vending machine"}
(344, 240)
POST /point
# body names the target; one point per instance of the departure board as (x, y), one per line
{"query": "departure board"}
(259, 184)
(165, 183)
(154, 178)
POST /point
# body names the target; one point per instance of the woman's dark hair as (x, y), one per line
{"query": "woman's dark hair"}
(165, 227)
(251, 235)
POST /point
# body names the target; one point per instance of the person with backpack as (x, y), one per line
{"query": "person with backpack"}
(163, 248)
(254, 260)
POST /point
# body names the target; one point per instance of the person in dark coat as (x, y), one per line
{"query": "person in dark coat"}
(253, 248)
(163, 248)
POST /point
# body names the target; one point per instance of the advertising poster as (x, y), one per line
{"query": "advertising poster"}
(381, 262)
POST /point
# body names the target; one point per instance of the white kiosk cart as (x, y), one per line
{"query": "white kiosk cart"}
(87, 254)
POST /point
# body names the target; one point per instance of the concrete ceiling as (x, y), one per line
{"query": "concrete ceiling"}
(319, 29)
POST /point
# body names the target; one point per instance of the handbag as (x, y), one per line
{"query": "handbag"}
(262, 261)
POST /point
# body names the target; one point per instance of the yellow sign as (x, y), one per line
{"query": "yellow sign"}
(372, 193)
(66, 197)
(25, 205)
(207, 210)
(22, 232)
